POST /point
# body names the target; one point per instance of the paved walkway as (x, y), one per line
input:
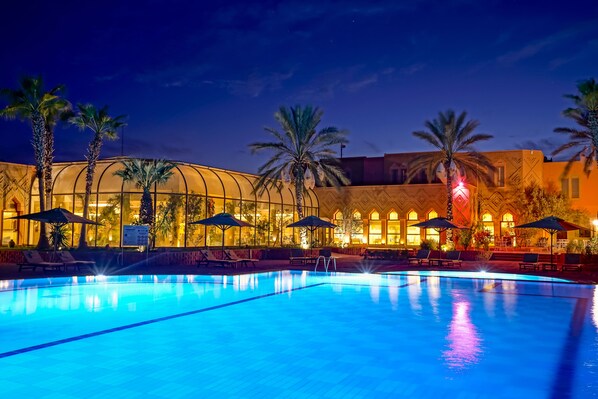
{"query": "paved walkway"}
(345, 263)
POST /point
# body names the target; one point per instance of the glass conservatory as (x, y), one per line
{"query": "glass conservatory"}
(194, 192)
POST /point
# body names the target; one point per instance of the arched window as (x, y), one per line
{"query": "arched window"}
(506, 225)
(488, 224)
(433, 234)
(357, 229)
(393, 229)
(339, 230)
(375, 230)
(413, 233)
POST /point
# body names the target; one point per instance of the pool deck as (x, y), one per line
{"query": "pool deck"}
(345, 263)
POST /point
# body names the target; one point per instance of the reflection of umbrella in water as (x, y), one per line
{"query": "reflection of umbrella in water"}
(223, 221)
(312, 223)
(57, 217)
(550, 224)
(439, 224)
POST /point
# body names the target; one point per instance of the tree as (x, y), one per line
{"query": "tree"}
(42, 109)
(302, 155)
(454, 138)
(144, 174)
(584, 140)
(103, 126)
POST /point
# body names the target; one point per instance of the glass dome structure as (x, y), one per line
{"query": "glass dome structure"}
(194, 192)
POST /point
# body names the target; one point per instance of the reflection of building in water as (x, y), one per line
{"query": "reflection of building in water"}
(463, 338)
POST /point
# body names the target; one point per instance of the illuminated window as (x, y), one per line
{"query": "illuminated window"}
(432, 234)
(393, 229)
(506, 225)
(413, 233)
(357, 229)
(375, 230)
(339, 230)
(488, 224)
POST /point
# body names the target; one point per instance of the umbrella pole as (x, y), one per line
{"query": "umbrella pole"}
(551, 234)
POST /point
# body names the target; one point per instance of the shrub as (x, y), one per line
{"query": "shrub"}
(429, 244)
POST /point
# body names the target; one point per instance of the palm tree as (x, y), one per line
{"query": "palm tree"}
(454, 139)
(302, 155)
(585, 114)
(57, 111)
(30, 102)
(144, 174)
(102, 126)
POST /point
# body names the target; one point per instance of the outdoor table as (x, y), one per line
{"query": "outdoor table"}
(435, 262)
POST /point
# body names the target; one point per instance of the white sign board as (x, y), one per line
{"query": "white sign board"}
(135, 235)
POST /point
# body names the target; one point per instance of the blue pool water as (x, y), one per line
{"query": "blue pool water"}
(297, 335)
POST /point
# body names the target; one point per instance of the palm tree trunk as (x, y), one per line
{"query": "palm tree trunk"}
(93, 153)
(37, 122)
(299, 181)
(48, 161)
(146, 210)
(593, 126)
(449, 202)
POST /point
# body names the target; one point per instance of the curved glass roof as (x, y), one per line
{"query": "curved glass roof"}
(188, 178)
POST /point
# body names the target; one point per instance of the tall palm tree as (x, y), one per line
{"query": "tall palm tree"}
(103, 126)
(302, 155)
(54, 113)
(583, 140)
(454, 138)
(144, 174)
(30, 102)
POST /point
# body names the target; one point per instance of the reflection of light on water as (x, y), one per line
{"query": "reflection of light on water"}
(374, 280)
(463, 339)
(510, 300)
(92, 302)
(283, 282)
(414, 290)
(595, 307)
(433, 284)
(393, 296)
(489, 299)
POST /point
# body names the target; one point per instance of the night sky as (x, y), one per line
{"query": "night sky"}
(200, 80)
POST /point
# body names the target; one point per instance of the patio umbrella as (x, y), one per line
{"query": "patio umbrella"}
(312, 223)
(550, 224)
(56, 217)
(223, 221)
(438, 223)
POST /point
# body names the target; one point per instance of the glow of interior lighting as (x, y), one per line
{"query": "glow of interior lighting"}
(460, 185)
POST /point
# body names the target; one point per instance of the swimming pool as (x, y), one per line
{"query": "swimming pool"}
(297, 334)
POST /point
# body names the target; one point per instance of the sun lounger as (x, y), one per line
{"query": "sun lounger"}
(68, 260)
(453, 259)
(298, 257)
(232, 255)
(572, 262)
(420, 258)
(530, 261)
(207, 258)
(33, 260)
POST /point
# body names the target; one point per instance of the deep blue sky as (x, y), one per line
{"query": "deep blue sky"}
(199, 80)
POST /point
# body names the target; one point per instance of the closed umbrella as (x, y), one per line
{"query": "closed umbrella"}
(223, 221)
(312, 223)
(550, 224)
